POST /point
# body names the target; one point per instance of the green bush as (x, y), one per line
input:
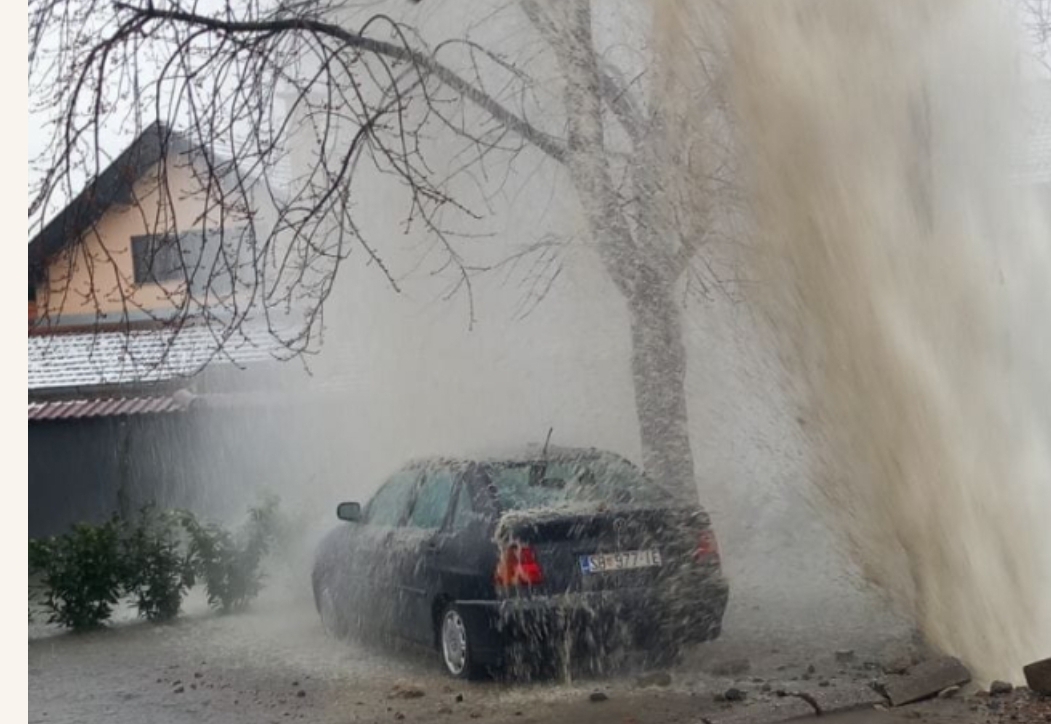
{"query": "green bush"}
(82, 574)
(78, 577)
(158, 571)
(228, 563)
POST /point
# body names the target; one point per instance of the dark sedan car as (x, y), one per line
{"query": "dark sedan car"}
(499, 562)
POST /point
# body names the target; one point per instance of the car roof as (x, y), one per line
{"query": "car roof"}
(533, 452)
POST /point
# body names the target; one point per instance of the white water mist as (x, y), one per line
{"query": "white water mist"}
(905, 274)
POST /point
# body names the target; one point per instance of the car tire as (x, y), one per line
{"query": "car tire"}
(331, 619)
(455, 646)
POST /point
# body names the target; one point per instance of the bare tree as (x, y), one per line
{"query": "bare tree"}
(1036, 17)
(287, 107)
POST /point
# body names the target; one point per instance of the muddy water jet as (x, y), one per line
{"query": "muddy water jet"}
(902, 270)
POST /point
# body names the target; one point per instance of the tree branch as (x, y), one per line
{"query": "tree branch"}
(612, 88)
(546, 143)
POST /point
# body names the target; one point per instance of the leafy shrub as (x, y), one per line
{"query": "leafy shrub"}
(78, 577)
(230, 564)
(158, 571)
(82, 574)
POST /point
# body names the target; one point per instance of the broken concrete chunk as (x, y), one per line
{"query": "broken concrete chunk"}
(847, 697)
(1038, 676)
(926, 680)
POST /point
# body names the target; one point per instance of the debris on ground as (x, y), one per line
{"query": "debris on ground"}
(844, 698)
(597, 696)
(844, 656)
(1038, 676)
(999, 688)
(925, 680)
(406, 692)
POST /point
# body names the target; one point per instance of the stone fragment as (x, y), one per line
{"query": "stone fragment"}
(999, 688)
(926, 680)
(845, 697)
(1038, 676)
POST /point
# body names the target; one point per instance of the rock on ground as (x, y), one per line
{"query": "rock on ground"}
(926, 680)
(1038, 676)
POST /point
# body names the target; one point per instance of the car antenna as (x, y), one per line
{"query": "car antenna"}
(543, 453)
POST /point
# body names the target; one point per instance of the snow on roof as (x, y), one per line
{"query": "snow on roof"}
(96, 358)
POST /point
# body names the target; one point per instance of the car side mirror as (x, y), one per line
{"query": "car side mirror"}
(350, 512)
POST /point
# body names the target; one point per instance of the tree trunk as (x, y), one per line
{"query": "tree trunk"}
(658, 366)
(658, 353)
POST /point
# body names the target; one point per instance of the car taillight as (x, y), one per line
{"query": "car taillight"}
(707, 548)
(518, 567)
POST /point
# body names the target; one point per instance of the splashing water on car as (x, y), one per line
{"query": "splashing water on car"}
(902, 265)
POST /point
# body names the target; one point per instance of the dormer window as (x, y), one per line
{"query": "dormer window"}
(207, 259)
(160, 258)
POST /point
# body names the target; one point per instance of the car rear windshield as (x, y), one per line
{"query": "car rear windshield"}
(566, 483)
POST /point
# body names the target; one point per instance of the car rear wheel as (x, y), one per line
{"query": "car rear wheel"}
(455, 644)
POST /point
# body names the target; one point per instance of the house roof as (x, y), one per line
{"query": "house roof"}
(108, 407)
(103, 358)
(114, 186)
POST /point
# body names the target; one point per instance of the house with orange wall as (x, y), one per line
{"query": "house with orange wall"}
(129, 363)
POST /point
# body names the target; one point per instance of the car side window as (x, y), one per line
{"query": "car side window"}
(388, 504)
(465, 512)
(432, 502)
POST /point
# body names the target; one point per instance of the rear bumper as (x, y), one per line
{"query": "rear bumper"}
(633, 617)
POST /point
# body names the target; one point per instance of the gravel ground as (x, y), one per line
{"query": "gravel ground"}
(274, 663)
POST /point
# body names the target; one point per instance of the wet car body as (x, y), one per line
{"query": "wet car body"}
(499, 562)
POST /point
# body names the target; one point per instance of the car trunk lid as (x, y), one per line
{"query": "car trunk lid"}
(603, 548)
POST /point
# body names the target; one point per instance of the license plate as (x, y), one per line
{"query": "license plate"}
(623, 561)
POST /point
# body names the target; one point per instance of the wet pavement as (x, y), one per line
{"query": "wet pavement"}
(274, 663)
